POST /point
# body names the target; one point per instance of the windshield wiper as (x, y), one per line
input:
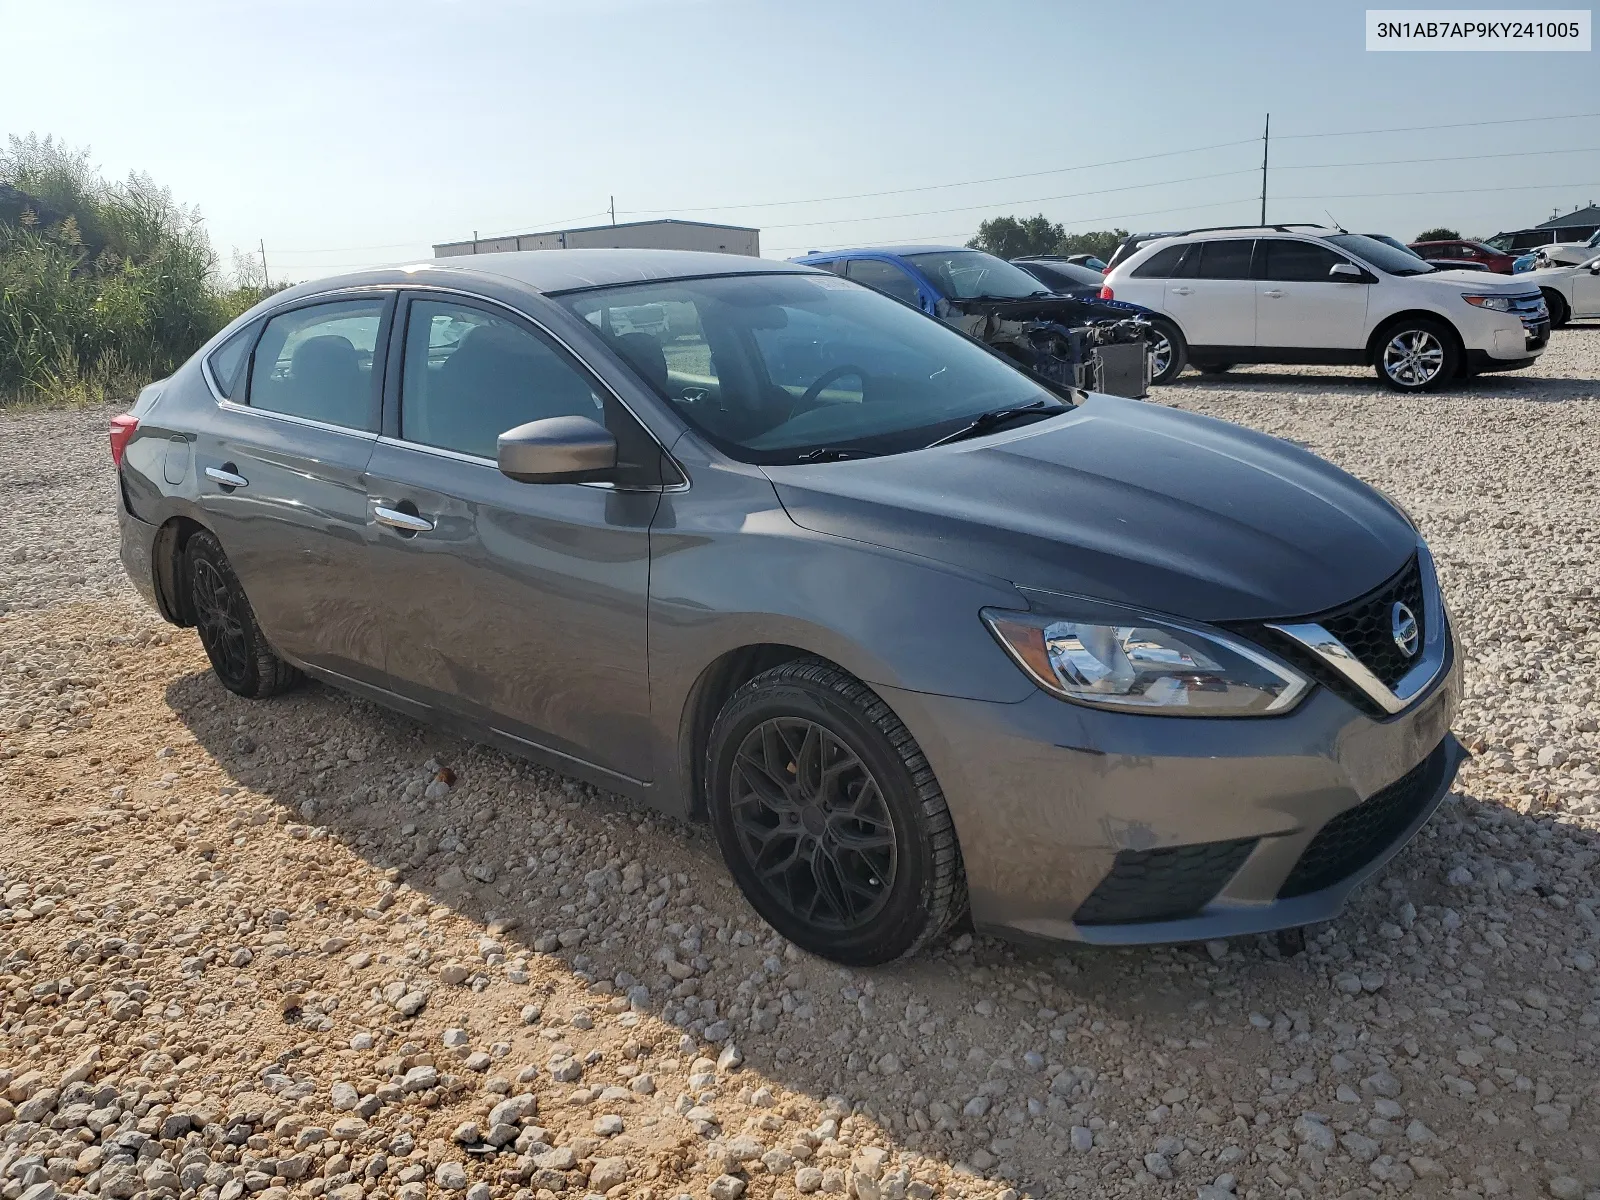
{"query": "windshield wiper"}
(831, 454)
(989, 421)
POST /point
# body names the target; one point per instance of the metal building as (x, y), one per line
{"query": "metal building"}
(666, 234)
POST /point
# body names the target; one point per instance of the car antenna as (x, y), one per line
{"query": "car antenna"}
(1336, 224)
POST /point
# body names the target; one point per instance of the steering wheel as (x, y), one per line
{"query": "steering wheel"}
(828, 377)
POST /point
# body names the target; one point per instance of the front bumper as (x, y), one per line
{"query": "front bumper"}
(1057, 806)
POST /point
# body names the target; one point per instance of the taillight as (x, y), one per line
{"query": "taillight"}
(123, 426)
(1106, 293)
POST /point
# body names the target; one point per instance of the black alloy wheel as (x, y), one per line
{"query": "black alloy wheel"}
(233, 641)
(829, 817)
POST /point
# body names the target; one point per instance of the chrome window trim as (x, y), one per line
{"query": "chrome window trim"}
(1415, 682)
(227, 405)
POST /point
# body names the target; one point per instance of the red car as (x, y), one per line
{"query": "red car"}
(1465, 251)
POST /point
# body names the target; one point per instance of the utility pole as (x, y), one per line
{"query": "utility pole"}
(266, 280)
(1266, 134)
(613, 210)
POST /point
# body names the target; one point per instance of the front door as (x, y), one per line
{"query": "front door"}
(281, 479)
(1586, 291)
(1212, 296)
(1299, 305)
(521, 606)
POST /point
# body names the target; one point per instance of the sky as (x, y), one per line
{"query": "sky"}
(344, 133)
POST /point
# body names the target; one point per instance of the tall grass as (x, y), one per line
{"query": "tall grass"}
(103, 286)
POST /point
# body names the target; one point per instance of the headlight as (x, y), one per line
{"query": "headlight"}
(1498, 303)
(1148, 666)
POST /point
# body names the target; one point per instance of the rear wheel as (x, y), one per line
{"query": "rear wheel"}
(829, 817)
(1560, 314)
(1417, 355)
(1168, 351)
(227, 626)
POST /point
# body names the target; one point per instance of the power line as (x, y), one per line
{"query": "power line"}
(1456, 125)
(1009, 203)
(1392, 162)
(930, 187)
(1532, 187)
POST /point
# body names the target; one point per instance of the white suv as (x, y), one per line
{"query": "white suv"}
(1304, 294)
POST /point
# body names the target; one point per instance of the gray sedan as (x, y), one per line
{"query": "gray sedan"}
(748, 542)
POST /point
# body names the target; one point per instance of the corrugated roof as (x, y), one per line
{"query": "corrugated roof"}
(1584, 216)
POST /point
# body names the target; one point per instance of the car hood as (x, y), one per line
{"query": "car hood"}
(1478, 281)
(1126, 502)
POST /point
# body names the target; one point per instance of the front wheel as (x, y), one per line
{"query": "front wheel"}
(1560, 314)
(829, 817)
(238, 650)
(1417, 355)
(1168, 352)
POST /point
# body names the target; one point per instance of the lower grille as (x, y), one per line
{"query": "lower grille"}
(1358, 835)
(1162, 885)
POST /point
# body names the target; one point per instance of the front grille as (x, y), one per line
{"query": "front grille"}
(1366, 626)
(1162, 885)
(1358, 835)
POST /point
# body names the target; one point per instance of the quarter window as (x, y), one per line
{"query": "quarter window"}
(1298, 262)
(470, 375)
(886, 278)
(1160, 265)
(316, 362)
(227, 361)
(1225, 259)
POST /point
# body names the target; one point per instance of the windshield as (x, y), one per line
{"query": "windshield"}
(1385, 258)
(1394, 242)
(776, 368)
(972, 274)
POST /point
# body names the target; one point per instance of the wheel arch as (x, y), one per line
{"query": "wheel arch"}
(1556, 302)
(1381, 331)
(711, 690)
(172, 589)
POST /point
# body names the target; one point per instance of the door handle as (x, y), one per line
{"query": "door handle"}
(403, 521)
(1275, 293)
(1182, 291)
(228, 479)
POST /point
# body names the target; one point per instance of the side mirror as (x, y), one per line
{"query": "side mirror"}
(1346, 273)
(558, 450)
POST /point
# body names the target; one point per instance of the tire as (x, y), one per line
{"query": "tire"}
(1214, 368)
(779, 819)
(233, 641)
(1171, 351)
(1560, 314)
(1417, 355)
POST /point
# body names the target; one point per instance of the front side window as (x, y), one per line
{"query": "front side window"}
(974, 275)
(773, 368)
(470, 375)
(1225, 259)
(316, 362)
(1298, 262)
(886, 277)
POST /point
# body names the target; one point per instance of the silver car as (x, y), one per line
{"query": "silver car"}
(751, 543)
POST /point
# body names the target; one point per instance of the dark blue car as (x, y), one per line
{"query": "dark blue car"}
(1077, 341)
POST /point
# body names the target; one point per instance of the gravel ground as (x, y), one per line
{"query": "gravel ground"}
(305, 947)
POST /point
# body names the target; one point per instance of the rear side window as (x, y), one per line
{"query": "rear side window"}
(1298, 262)
(1160, 265)
(227, 361)
(316, 362)
(470, 376)
(885, 277)
(1225, 260)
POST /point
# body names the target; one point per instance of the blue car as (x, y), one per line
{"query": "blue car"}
(1527, 262)
(1075, 341)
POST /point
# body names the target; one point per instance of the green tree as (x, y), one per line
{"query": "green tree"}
(1098, 242)
(1008, 237)
(1439, 233)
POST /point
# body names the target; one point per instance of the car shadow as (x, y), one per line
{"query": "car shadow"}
(954, 1014)
(1536, 389)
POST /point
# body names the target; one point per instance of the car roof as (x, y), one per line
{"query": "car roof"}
(568, 270)
(890, 251)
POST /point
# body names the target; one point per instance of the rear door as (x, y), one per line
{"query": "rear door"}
(281, 477)
(521, 606)
(1212, 296)
(1300, 305)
